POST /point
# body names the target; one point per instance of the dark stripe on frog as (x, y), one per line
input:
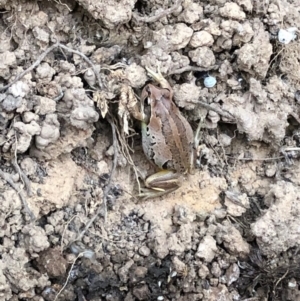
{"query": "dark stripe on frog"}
(187, 139)
(154, 145)
(173, 126)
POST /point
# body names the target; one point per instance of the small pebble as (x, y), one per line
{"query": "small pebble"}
(271, 170)
(144, 251)
(210, 81)
(292, 283)
(285, 36)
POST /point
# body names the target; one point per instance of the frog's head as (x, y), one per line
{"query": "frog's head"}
(156, 97)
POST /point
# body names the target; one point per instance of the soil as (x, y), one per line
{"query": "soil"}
(71, 224)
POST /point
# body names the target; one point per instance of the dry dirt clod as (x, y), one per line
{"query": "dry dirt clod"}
(52, 262)
(282, 199)
(62, 64)
(207, 249)
(233, 11)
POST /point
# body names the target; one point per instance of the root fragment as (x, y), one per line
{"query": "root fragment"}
(8, 179)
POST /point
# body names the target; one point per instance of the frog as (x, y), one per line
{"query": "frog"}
(167, 138)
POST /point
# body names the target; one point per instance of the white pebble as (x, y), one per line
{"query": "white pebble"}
(148, 44)
(285, 36)
(210, 81)
(160, 298)
(292, 283)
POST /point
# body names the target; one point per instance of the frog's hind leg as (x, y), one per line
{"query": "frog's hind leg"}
(147, 193)
(160, 183)
(198, 133)
(157, 76)
(163, 180)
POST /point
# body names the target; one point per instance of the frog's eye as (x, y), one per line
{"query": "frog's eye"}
(166, 93)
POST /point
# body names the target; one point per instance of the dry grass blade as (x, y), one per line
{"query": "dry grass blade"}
(108, 186)
(44, 54)
(8, 179)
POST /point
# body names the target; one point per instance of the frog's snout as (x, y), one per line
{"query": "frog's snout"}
(148, 91)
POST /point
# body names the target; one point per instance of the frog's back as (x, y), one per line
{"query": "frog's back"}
(168, 141)
(181, 142)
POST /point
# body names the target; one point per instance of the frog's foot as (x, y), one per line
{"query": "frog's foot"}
(160, 183)
(157, 76)
(147, 193)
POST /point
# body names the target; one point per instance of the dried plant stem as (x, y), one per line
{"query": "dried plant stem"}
(24, 178)
(221, 112)
(69, 275)
(108, 186)
(192, 68)
(85, 58)
(34, 65)
(8, 179)
(44, 54)
(256, 159)
(279, 280)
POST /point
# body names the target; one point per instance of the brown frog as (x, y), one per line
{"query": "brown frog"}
(167, 138)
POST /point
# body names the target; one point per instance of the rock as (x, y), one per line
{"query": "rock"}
(232, 274)
(278, 229)
(201, 38)
(141, 292)
(144, 251)
(35, 239)
(173, 37)
(232, 240)
(232, 11)
(203, 57)
(53, 263)
(207, 249)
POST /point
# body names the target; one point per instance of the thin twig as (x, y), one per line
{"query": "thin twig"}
(43, 55)
(64, 4)
(221, 112)
(8, 179)
(222, 146)
(65, 229)
(114, 166)
(125, 149)
(69, 275)
(108, 186)
(24, 178)
(256, 159)
(86, 59)
(192, 68)
(34, 65)
(159, 15)
(280, 279)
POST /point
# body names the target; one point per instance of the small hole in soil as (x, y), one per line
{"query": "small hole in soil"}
(139, 5)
